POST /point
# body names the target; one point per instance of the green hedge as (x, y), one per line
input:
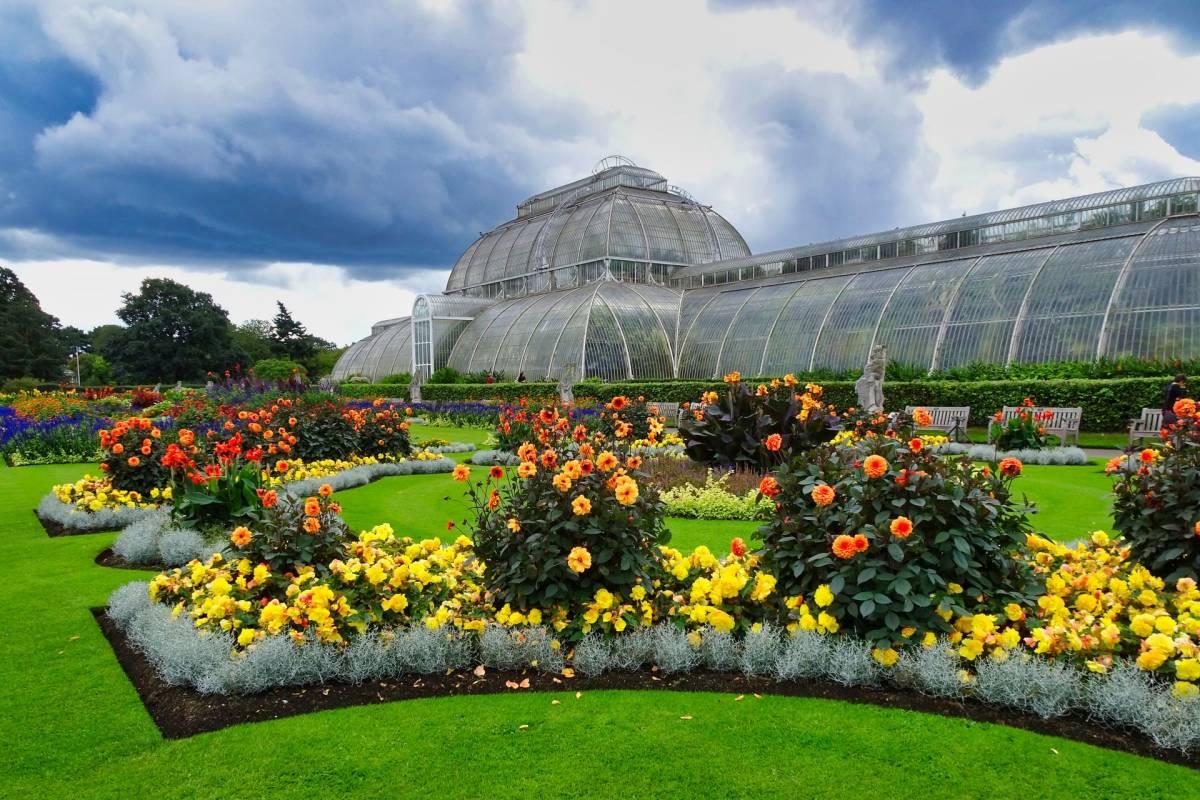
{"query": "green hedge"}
(1107, 405)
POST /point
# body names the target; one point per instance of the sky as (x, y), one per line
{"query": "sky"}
(340, 155)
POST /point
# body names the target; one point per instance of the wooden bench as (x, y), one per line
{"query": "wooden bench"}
(1147, 426)
(951, 419)
(669, 412)
(1063, 422)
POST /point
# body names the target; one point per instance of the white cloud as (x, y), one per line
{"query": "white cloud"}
(658, 74)
(326, 299)
(1056, 121)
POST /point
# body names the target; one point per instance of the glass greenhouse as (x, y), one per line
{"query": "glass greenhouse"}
(621, 275)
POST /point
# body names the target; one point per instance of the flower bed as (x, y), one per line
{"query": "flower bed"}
(883, 564)
(92, 505)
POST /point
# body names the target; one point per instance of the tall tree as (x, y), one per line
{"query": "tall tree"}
(73, 339)
(172, 333)
(30, 345)
(254, 340)
(292, 340)
(104, 339)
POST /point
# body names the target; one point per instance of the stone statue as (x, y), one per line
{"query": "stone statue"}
(414, 388)
(870, 386)
(566, 382)
(179, 386)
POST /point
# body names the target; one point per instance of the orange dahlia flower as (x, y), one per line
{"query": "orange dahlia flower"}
(823, 494)
(901, 527)
(875, 466)
(844, 547)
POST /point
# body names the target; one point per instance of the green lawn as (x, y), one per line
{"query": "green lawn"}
(73, 726)
(1071, 502)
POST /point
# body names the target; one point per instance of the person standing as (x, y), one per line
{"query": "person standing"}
(1176, 390)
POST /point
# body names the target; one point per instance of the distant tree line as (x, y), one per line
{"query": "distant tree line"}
(171, 332)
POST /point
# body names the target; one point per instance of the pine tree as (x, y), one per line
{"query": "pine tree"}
(291, 339)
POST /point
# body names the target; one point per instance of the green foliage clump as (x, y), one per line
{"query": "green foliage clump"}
(278, 369)
(14, 385)
(715, 500)
(323, 431)
(884, 537)
(755, 428)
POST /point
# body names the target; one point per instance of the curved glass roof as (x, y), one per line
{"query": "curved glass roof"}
(1053, 217)
(623, 222)
(1132, 291)
(386, 351)
(611, 330)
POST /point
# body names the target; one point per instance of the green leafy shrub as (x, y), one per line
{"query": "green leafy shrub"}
(278, 369)
(401, 378)
(888, 539)
(756, 428)
(446, 375)
(715, 500)
(1157, 500)
(21, 385)
(322, 431)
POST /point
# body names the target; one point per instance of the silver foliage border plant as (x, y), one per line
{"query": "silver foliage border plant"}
(184, 656)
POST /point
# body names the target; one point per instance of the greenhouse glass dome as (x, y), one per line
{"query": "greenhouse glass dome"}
(621, 275)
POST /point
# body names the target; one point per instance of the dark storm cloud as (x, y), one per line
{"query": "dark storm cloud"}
(970, 37)
(368, 135)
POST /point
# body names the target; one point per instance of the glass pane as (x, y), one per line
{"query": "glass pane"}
(1068, 299)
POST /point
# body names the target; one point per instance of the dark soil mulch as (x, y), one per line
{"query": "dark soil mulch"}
(180, 712)
(107, 558)
(53, 528)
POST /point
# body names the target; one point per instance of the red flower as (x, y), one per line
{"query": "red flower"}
(738, 547)
(774, 442)
(496, 473)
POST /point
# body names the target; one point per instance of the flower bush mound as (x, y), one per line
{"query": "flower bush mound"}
(897, 539)
(1025, 431)
(757, 428)
(569, 520)
(1157, 498)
